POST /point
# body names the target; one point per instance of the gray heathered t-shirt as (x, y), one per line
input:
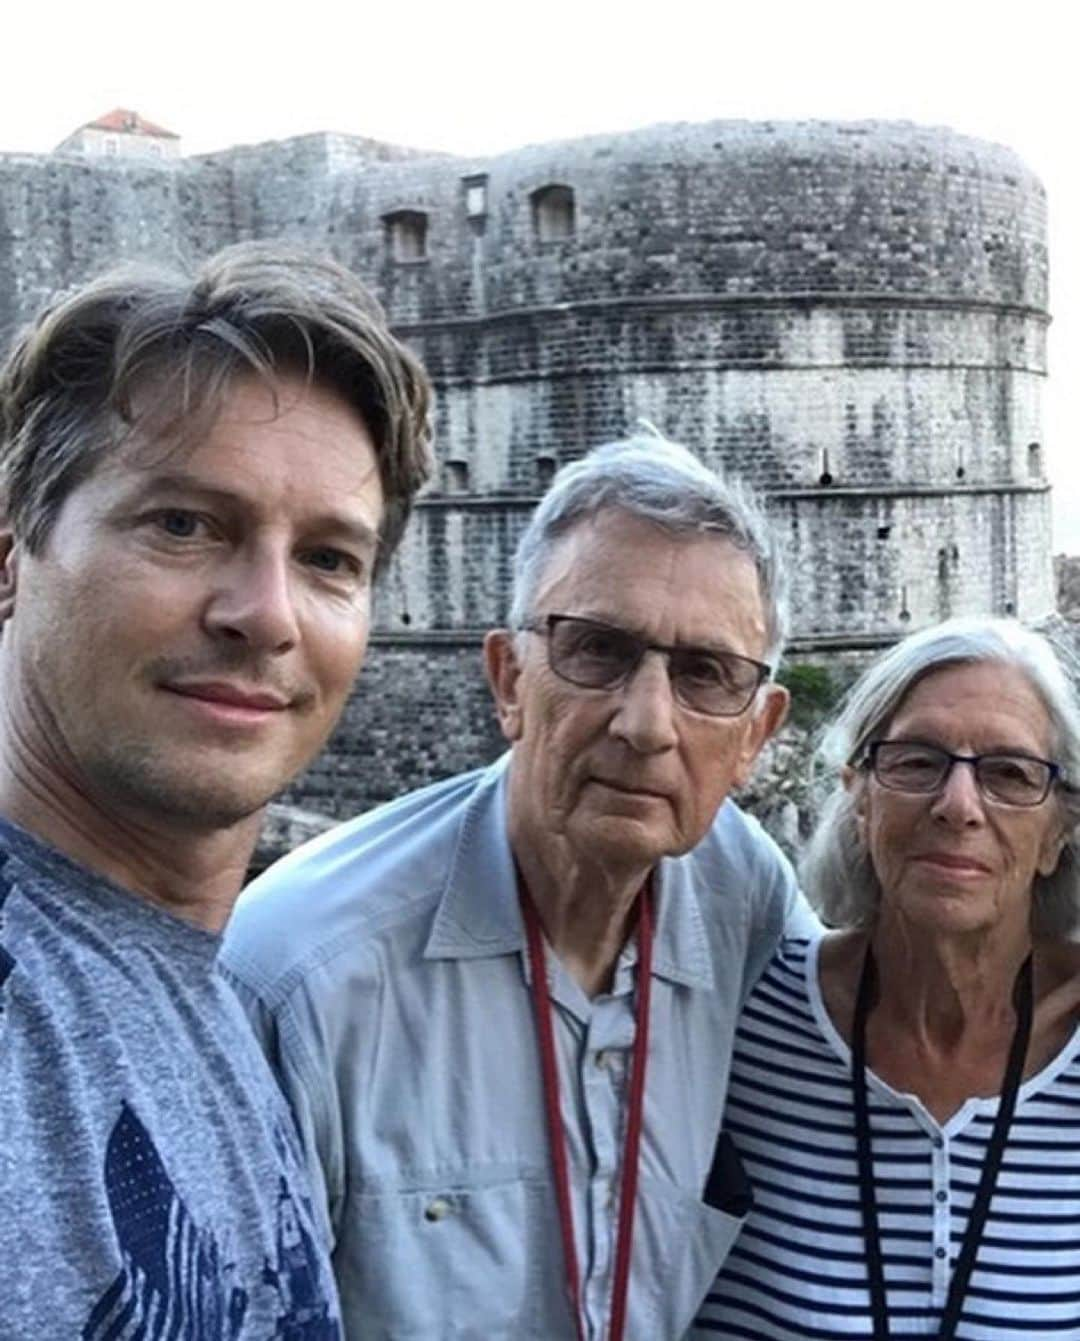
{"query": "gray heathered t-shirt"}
(150, 1179)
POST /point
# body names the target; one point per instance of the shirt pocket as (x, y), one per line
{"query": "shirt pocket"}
(680, 1243)
(461, 1259)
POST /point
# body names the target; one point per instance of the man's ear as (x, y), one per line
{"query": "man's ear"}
(767, 717)
(503, 671)
(9, 562)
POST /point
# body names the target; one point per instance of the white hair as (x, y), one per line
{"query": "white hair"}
(664, 483)
(836, 870)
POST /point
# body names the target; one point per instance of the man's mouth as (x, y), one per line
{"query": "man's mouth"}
(228, 703)
(221, 691)
(629, 789)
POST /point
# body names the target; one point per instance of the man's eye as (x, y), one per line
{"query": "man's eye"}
(598, 643)
(178, 523)
(705, 670)
(603, 647)
(334, 561)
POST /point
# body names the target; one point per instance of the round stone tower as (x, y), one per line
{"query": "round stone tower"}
(851, 317)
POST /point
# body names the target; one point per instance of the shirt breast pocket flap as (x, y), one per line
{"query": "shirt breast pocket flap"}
(469, 1261)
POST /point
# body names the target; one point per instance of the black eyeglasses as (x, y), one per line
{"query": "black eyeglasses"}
(593, 655)
(1008, 779)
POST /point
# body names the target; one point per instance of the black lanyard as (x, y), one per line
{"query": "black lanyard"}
(980, 1207)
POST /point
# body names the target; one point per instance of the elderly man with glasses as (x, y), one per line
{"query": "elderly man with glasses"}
(503, 1006)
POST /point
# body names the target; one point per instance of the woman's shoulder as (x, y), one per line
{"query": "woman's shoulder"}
(789, 977)
(840, 958)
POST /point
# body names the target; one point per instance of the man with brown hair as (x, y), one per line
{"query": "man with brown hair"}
(201, 476)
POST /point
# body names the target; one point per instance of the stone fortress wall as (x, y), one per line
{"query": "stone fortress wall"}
(850, 316)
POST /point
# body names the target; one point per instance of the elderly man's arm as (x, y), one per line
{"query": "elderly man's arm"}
(800, 921)
(286, 1030)
(778, 907)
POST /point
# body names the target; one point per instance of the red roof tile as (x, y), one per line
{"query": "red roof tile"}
(129, 123)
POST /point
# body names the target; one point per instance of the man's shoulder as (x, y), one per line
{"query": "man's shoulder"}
(742, 877)
(736, 845)
(373, 875)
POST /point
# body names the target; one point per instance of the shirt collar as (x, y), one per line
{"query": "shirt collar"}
(478, 914)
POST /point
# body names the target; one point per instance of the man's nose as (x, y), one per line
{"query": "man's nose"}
(254, 601)
(645, 713)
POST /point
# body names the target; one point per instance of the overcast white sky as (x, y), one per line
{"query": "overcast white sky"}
(475, 77)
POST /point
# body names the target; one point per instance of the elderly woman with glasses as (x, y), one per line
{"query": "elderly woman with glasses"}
(905, 1093)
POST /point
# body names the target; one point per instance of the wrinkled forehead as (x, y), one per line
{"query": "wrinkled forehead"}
(991, 693)
(632, 570)
(621, 534)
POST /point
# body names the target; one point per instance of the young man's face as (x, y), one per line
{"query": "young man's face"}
(187, 638)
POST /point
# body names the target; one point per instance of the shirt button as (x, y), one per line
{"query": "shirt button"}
(938, 1142)
(939, 1253)
(438, 1209)
(940, 1196)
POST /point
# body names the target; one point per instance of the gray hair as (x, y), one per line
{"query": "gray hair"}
(664, 483)
(836, 871)
(157, 349)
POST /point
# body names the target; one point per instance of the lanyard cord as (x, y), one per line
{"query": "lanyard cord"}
(556, 1132)
(980, 1207)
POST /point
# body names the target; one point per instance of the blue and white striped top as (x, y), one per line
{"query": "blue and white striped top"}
(798, 1272)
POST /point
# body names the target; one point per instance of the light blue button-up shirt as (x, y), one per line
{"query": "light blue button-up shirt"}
(385, 969)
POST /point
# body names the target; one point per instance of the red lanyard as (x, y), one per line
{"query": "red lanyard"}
(556, 1133)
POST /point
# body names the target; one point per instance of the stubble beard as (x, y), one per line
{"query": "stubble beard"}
(135, 778)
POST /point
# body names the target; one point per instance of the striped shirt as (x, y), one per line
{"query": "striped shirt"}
(798, 1270)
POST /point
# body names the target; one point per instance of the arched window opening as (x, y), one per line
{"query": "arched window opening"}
(457, 476)
(553, 213)
(545, 470)
(406, 232)
(476, 191)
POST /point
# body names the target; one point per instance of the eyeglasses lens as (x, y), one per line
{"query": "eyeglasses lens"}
(596, 656)
(1012, 779)
(591, 655)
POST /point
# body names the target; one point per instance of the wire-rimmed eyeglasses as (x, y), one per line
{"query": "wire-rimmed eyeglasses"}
(594, 655)
(1002, 777)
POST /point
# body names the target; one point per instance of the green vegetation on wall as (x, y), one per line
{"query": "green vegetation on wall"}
(815, 692)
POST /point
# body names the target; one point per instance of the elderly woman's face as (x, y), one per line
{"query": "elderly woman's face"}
(952, 859)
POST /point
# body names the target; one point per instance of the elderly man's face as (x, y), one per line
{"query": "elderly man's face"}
(186, 639)
(628, 775)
